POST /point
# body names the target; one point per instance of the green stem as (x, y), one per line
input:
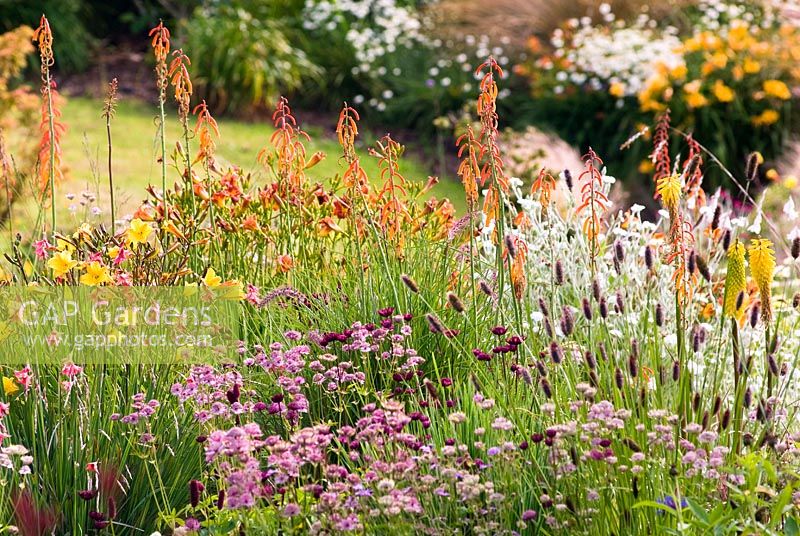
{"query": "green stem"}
(110, 176)
(51, 126)
(163, 134)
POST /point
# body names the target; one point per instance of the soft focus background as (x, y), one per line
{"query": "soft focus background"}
(577, 74)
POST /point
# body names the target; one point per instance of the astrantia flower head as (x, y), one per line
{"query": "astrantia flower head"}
(762, 268)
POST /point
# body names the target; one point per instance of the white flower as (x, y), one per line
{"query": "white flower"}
(789, 211)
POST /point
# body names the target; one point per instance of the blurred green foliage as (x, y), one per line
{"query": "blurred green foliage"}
(245, 54)
(80, 27)
(69, 20)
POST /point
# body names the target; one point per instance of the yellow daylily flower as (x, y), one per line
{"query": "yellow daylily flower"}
(696, 100)
(96, 274)
(777, 89)
(83, 233)
(751, 66)
(5, 277)
(765, 118)
(63, 245)
(211, 279)
(62, 263)
(722, 92)
(139, 232)
(231, 290)
(616, 90)
(9, 386)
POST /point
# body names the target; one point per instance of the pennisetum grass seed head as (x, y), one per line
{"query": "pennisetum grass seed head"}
(567, 321)
(702, 267)
(559, 273)
(568, 179)
(455, 302)
(597, 292)
(648, 257)
(795, 247)
(602, 308)
(754, 313)
(541, 368)
(602, 349)
(754, 160)
(555, 353)
(511, 246)
(586, 305)
(633, 366)
(410, 283)
(773, 365)
(619, 256)
(618, 378)
(548, 328)
(546, 389)
(543, 307)
(726, 239)
(659, 315)
(434, 323)
(716, 217)
(486, 289)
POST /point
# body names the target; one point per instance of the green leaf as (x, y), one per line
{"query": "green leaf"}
(784, 499)
(653, 504)
(791, 528)
(699, 512)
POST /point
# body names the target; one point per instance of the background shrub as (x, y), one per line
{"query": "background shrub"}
(242, 54)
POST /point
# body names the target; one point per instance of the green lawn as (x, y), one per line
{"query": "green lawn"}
(136, 149)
